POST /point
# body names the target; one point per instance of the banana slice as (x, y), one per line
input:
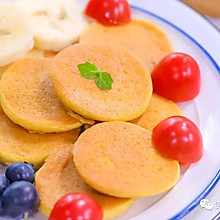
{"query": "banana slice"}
(56, 23)
(16, 36)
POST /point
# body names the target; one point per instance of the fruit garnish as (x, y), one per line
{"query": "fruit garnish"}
(76, 206)
(16, 35)
(109, 12)
(20, 171)
(102, 79)
(56, 23)
(0, 205)
(4, 183)
(178, 138)
(177, 77)
(20, 198)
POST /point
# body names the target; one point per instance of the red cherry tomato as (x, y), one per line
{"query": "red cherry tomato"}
(76, 206)
(178, 138)
(177, 77)
(109, 12)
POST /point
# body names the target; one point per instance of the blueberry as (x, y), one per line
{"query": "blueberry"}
(19, 198)
(0, 205)
(4, 183)
(20, 171)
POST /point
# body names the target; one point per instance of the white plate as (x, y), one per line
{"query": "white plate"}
(192, 34)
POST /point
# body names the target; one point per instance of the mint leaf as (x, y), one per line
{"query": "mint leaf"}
(104, 81)
(88, 70)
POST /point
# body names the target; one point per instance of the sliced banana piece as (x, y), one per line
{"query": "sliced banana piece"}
(16, 36)
(56, 23)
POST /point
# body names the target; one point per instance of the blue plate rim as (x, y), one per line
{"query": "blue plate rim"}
(192, 205)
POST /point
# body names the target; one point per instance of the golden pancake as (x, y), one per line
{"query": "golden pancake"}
(28, 98)
(80, 118)
(158, 109)
(118, 159)
(2, 69)
(59, 177)
(31, 53)
(142, 38)
(16, 144)
(131, 89)
(34, 53)
(49, 53)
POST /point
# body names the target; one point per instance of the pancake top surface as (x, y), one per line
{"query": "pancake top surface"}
(17, 144)
(59, 177)
(117, 158)
(158, 109)
(131, 89)
(29, 99)
(142, 38)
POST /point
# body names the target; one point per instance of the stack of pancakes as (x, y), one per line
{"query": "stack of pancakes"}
(45, 101)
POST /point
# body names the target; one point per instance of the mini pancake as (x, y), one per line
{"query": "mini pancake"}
(2, 69)
(28, 98)
(34, 53)
(131, 89)
(16, 144)
(158, 109)
(49, 53)
(142, 38)
(31, 53)
(118, 159)
(59, 177)
(80, 118)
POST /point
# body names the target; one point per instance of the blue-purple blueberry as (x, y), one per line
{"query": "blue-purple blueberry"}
(20, 198)
(0, 205)
(20, 171)
(4, 183)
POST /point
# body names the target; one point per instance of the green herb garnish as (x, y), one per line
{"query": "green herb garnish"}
(25, 215)
(102, 79)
